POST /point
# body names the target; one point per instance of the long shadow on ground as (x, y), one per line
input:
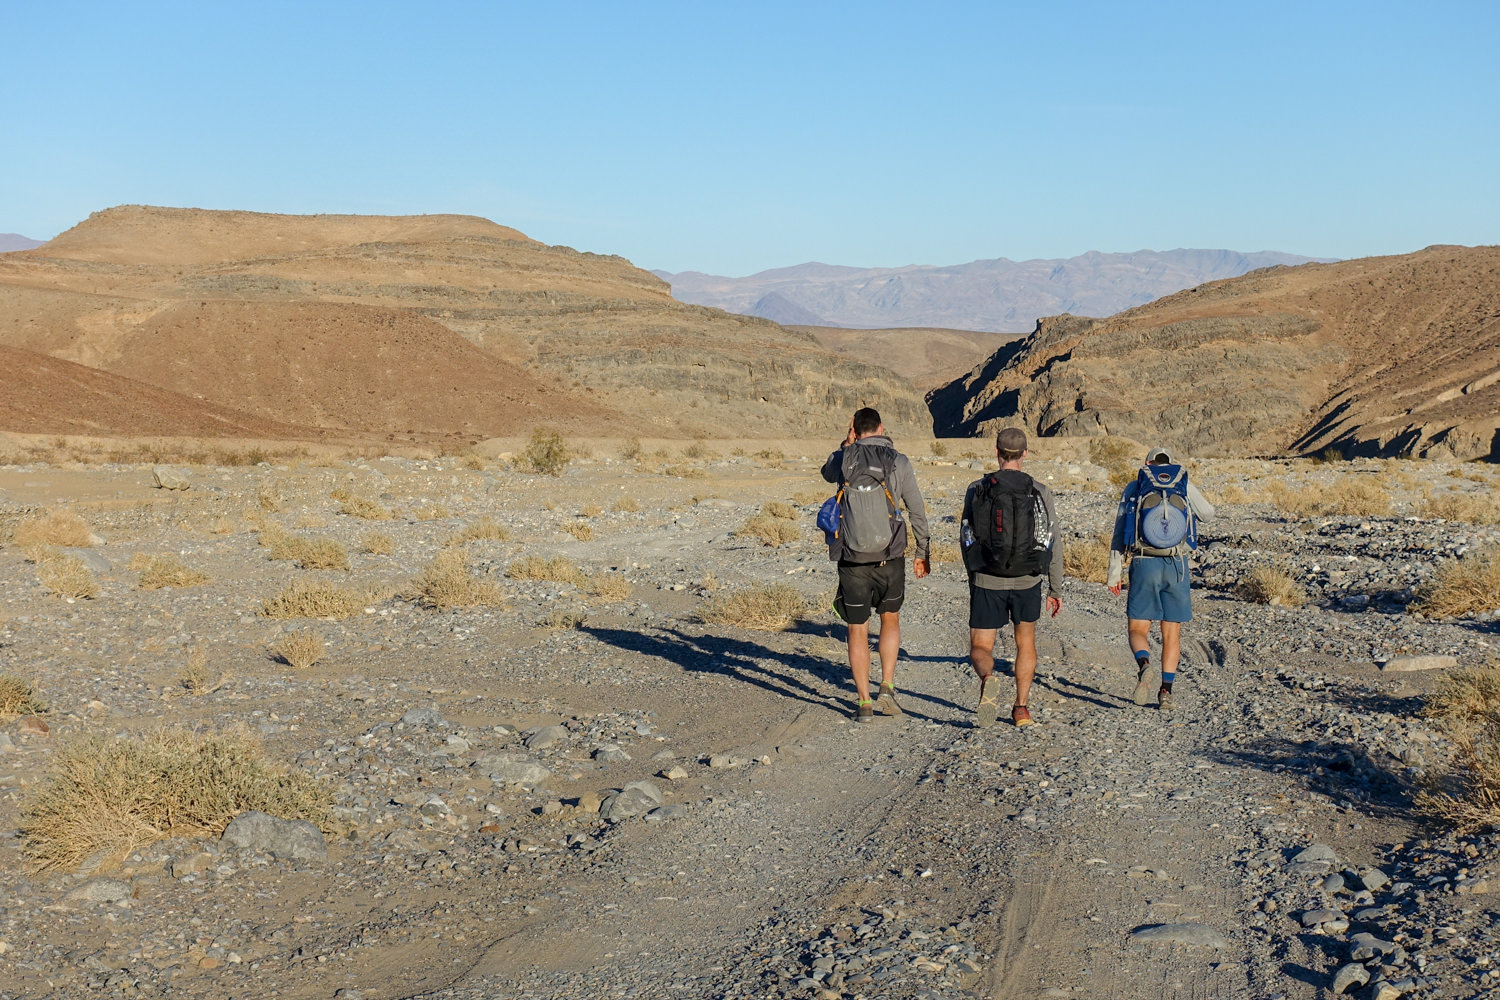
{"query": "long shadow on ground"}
(1343, 772)
(784, 675)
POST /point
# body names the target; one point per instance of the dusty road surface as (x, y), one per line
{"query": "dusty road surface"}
(487, 838)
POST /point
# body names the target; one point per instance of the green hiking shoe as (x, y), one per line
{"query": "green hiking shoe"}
(865, 712)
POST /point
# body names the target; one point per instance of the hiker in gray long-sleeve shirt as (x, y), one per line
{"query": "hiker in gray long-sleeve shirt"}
(1010, 540)
(875, 482)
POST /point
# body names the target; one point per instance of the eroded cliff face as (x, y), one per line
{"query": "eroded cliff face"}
(1379, 356)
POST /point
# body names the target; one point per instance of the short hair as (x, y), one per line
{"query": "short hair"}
(866, 420)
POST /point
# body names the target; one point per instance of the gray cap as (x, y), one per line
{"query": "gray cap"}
(1012, 439)
(1159, 456)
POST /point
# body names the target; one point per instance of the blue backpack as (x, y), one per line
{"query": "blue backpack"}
(1159, 518)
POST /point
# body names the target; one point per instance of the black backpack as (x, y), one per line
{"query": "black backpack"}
(1011, 534)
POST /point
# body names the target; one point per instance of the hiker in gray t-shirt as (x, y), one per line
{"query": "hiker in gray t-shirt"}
(875, 481)
(1010, 542)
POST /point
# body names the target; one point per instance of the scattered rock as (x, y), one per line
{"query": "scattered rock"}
(423, 717)
(1349, 977)
(167, 478)
(546, 736)
(30, 725)
(102, 890)
(1404, 664)
(636, 799)
(296, 839)
(511, 769)
(1194, 934)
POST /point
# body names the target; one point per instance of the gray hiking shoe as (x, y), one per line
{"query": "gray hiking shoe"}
(885, 700)
(1164, 700)
(1145, 678)
(989, 706)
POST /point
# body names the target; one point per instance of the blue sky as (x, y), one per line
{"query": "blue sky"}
(732, 138)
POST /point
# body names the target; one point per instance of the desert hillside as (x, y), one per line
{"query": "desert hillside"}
(1383, 355)
(416, 327)
(993, 295)
(929, 357)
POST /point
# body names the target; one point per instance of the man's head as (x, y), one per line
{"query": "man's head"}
(1158, 456)
(1010, 445)
(867, 421)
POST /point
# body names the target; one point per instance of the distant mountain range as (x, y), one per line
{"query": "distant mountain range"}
(1002, 296)
(15, 241)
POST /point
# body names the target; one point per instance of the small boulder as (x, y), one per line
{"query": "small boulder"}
(511, 769)
(1406, 664)
(1191, 934)
(424, 717)
(546, 736)
(296, 839)
(102, 890)
(1349, 977)
(167, 478)
(637, 798)
(1317, 854)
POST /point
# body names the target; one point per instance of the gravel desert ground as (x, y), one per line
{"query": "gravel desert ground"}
(580, 787)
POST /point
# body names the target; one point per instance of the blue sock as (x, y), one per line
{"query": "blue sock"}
(1143, 656)
(1167, 679)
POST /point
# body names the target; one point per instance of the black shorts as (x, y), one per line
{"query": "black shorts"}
(994, 608)
(863, 586)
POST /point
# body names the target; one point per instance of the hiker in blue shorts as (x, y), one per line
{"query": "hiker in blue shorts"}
(1157, 524)
(875, 481)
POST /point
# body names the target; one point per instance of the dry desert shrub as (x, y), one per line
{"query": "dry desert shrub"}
(269, 498)
(609, 586)
(195, 676)
(1461, 586)
(581, 530)
(944, 552)
(631, 449)
(1466, 507)
(812, 496)
(472, 460)
(446, 582)
(763, 607)
(699, 451)
(306, 599)
(222, 526)
(67, 577)
(309, 553)
(105, 797)
(311, 520)
(1466, 707)
(591, 510)
(299, 650)
(429, 512)
(939, 449)
(1087, 559)
(365, 509)
(1232, 494)
(546, 453)
(628, 505)
(165, 570)
(1120, 458)
(777, 508)
(1345, 497)
(557, 570)
(772, 531)
(1271, 585)
(771, 456)
(681, 471)
(377, 543)
(561, 619)
(483, 530)
(54, 527)
(17, 698)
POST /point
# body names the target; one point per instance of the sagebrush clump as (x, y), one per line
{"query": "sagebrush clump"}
(1461, 586)
(763, 607)
(67, 577)
(1271, 585)
(769, 530)
(546, 453)
(305, 599)
(106, 797)
(17, 698)
(1466, 707)
(299, 650)
(53, 527)
(1087, 559)
(447, 582)
(165, 570)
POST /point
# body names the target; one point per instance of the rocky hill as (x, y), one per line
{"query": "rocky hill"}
(991, 295)
(416, 328)
(1377, 356)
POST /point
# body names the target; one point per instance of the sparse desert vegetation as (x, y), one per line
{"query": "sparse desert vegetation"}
(581, 530)
(1466, 707)
(557, 569)
(1462, 586)
(364, 508)
(1087, 559)
(105, 797)
(67, 577)
(60, 527)
(309, 553)
(377, 543)
(165, 570)
(17, 697)
(546, 453)
(769, 530)
(763, 607)
(299, 650)
(1271, 585)
(486, 529)
(447, 582)
(309, 599)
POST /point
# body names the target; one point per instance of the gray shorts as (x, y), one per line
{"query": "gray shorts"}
(865, 586)
(1159, 590)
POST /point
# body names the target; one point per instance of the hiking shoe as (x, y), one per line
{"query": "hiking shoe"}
(885, 700)
(865, 712)
(1164, 700)
(989, 708)
(1020, 716)
(1144, 678)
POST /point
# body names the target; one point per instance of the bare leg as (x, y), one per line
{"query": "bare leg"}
(982, 651)
(1171, 646)
(1140, 635)
(859, 658)
(1025, 660)
(890, 645)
